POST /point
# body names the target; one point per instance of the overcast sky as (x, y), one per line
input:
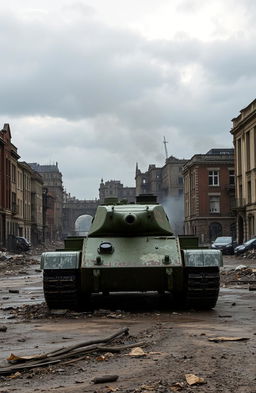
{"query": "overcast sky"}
(96, 84)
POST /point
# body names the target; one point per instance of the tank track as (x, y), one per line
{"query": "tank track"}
(202, 287)
(62, 289)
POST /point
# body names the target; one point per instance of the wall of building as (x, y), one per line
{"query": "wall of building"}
(244, 138)
(209, 195)
(52, 179)
(115, 189)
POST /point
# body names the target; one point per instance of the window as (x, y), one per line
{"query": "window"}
(13, 173)
(249, 190)
(239, 156)
(231, 176)
(248, 151)
(214, 204)
(14, 206)
(213, 178)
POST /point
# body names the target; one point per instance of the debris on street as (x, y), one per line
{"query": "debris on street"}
(221, 339)
(194, 379)
(240, 275)
(177, 387)
(137, 352)
(78, 351)
(105, 378)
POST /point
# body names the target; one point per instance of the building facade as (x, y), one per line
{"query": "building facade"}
(36, 208)
(8, 186)
(244, 139)
(114, 188)
(167, 184)
(53, 195)
(209, 195)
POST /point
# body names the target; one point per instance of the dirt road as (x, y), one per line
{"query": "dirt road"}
(177, 342)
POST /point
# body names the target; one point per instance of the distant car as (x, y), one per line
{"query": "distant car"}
(22, 244)
(249, 245)
(224, 243)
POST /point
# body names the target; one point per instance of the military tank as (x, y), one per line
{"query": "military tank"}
(131, 248)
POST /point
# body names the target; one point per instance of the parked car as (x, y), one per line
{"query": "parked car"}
(249, 245)
(22, 244)
(224, 243)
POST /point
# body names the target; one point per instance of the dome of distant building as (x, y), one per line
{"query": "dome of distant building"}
(82, 224)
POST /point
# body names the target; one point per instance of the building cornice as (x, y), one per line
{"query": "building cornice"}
(240, 122)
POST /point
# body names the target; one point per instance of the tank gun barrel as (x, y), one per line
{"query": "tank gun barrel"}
(130, 219)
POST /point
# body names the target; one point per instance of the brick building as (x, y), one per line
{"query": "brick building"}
(244, 137)
(209, 195)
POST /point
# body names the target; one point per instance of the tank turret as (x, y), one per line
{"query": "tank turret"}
(130, 220)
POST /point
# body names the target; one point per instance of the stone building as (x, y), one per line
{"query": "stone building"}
(26, 191)
(74, 208)
(19, 184)
(167, 184)
(36, 208)
(8, 186)
(244, 138)
(53, 190)
(209, 195)
(114, 188)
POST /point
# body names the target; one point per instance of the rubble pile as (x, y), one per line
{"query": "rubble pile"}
(250, 254)
(41, 311)
(11, 263)
(241, 275)
(31, 311)
(48, 246)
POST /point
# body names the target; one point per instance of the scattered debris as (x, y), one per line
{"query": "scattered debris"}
(242, 276)
(137, 352)
(221, 339)
(240, 267)
(106, 356)
(105, 378)
(194, 379)
(177, 387)
(74, 352)
(16, 375)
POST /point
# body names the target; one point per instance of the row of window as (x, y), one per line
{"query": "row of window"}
(214, 177)
(214, 204)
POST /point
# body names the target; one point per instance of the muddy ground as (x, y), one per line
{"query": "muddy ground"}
(177, 342)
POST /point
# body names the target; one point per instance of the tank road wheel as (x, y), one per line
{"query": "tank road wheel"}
(201, 287)
(62, 289)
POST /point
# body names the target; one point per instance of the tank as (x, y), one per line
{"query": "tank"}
(131, 248)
